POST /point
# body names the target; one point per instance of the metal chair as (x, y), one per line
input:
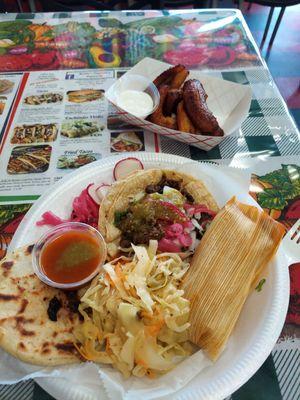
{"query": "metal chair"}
(273, 3)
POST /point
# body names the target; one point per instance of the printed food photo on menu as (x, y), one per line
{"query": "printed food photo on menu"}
(71, 161)
(114, 122)
(34, 133)
(44, 98)
(2, 104)
(127, 141)
(29, 159)
(84, 95)
(79, 127)
(6, 86)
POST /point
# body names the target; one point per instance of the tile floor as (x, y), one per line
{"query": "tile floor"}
(283, 58)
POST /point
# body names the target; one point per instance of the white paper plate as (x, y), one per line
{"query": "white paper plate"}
(60, 389)
(257, 329)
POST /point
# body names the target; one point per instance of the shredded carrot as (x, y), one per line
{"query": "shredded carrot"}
(152, 330)
(132, 292)
(146, 314)
(155, 324)
(107, 346)
(141, 362)
(107, 276)
(119, 272)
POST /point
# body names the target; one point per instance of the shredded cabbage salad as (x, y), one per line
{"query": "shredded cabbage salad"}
(135, 315)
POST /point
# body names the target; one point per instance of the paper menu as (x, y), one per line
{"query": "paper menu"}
(60, 121)
(9, 84)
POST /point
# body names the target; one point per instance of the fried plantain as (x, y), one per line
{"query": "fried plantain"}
(178, 79)
(194, 98)
(183, 121)
(174, 96)
(158, 117)
(167, 76)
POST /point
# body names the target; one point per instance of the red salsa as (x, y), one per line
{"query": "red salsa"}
(71, 257)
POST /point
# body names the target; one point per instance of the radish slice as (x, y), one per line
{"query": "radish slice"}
(125, 167)
(92, 192)
(102, 190)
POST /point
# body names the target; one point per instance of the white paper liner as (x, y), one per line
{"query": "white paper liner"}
(13, 370)
(144, 388)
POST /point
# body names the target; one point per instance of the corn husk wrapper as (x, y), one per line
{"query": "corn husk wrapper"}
(225, 268)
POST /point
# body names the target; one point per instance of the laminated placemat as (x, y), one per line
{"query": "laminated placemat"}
(225, 50)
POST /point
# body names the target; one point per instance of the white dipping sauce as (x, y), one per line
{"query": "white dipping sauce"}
(137, 103)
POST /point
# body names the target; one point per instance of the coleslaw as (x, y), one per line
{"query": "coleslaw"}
(135, 315)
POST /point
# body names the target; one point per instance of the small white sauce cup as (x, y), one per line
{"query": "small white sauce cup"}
(138, 83)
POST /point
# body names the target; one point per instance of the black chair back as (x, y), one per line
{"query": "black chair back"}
(83, 5)
(2, 6)
(76, 5)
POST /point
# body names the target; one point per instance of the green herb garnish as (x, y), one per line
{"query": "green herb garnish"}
(119, 215)
(260, 285)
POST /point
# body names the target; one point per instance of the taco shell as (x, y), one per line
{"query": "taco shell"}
(121, 193)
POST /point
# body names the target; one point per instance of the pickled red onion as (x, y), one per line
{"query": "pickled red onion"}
(185, 239)
(167, 245)
(174, 230)
(84, 209)
(48, 218)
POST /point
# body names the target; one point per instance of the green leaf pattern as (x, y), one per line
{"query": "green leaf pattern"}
(285, 186)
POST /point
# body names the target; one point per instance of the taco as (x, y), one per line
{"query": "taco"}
(127, 141)
(169, 206)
